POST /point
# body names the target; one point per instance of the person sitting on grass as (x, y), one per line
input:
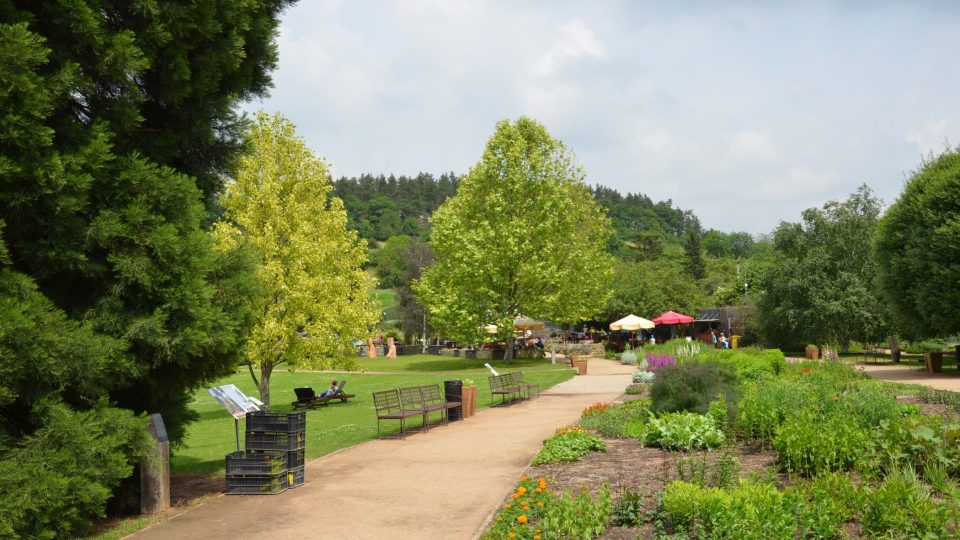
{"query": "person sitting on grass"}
(330, 391)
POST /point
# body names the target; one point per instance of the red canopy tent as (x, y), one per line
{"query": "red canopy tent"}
(672, 317)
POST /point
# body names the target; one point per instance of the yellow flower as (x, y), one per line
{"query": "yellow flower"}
(521, 490)
(512, 535)
(507, 506)
(522, 518)
(539, 504)
(499, 519)
(537, 537)
(539, 490)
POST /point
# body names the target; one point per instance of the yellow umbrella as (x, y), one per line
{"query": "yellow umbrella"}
(632, 322)
(522, 323)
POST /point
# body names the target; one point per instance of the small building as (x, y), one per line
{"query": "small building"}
(727, 319)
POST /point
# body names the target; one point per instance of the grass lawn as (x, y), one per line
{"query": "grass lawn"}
(388, 299)
(339, 425)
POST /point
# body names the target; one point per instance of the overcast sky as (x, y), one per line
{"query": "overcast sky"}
(744, 112)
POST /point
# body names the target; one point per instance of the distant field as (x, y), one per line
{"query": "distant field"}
(388, 299)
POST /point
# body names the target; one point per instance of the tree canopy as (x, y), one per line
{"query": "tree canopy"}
(821, 286)
(918, 249)
(119, 120)
(316, 299)
(522, 236)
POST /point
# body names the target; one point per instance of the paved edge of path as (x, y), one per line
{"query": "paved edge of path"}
(444, 483)
(910, 373)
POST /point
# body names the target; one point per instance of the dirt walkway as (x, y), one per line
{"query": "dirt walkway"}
(913, 374)
(445, 483)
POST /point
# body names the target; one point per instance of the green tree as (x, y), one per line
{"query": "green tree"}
(523, 235)
(316, 299)
(917, 248)
(417, 256)
(821, 285)
(693, 251)
(649, 288)
(390, 262)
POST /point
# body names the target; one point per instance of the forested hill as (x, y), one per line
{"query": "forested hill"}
(383, 206)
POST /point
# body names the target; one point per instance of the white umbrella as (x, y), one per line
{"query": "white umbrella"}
(632, 322)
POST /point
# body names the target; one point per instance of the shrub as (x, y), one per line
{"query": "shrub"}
(722, 472)
(749, 364)
(690, 386)
(807, 446)
(921, 442)
(580, 516)
(628, 507)
(901, 507)
(825, 504)
(644, 377)
(656, 362)
(751, 510)
(522, 515)
(614, 421)
(635, 389)
(684, 431)
(568, 447)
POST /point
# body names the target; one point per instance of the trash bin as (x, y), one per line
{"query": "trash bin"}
(734, 341)
(454, 392)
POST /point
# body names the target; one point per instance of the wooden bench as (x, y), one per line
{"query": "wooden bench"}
(389, 407)
(504, 386)
(516, 378)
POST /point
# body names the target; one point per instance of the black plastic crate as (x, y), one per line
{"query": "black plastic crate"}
(295, 458)
(292, 422)
(263, 440)
(295, 477)
(245, 463)
(267, 484)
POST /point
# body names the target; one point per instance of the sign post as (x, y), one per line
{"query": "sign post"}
(237, 404)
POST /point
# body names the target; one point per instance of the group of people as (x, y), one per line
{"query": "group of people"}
(720, 342)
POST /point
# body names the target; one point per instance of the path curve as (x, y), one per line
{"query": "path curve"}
(444, 483)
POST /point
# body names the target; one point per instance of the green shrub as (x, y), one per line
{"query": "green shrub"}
(613, 421)
(752, 510)
(628, 507)
(766, 403)
(810, 446)
(691, 386)
(943, 397)
(58, 480)
(568, 447)
(901, 507)
(684, 503)
(749, 363)
(683, 431)
(825, 504)
(920, 442)
(722, 472)
(580, 516)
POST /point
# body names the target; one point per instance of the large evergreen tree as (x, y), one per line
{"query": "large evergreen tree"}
(117, 122)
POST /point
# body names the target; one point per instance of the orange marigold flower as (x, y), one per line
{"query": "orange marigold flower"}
(539, 504)
(835, 398)
(537, 537)
(539, 490)
(499, 519)
(516, 495)
(522, 518)
(512, 535)
(521, 490)
(523, 477)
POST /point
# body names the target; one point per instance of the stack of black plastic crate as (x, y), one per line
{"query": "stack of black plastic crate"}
(274, 456)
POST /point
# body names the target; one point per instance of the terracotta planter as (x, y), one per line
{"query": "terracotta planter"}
(579, 362)
(813, 352)
(469, 401)
(934, 361)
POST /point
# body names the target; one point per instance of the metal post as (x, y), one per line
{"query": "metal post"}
(236, 424)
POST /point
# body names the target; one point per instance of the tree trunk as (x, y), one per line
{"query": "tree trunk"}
(265, 370)
(844, 346)
(508, 354)
(894, 348)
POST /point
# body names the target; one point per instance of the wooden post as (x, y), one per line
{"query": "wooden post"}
(155, 470)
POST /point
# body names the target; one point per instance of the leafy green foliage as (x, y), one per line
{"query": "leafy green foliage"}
(616, 419)
(389, 261)
(578, 516)
(821, 286)
(902, 506)
(721, 472)
(652, 287)
(810, 446)
(568, 447)
(690, 386)
(59, 478)
(920, 442)
(683, 431)
(916, 249)
(693, 251)
(628, 507)
(517, 239)
(279, 206)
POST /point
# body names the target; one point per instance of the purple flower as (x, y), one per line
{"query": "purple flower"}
(657, 361)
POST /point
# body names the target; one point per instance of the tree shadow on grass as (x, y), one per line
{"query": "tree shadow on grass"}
(461, 364)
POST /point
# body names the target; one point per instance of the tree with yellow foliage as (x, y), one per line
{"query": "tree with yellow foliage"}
(316, 298)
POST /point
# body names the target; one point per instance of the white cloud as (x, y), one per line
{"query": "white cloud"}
(576, 41)
(931, 137)
(753, 146)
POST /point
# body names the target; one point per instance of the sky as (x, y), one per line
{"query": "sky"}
(745, 112)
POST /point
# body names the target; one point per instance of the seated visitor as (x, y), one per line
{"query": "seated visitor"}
(330, 391)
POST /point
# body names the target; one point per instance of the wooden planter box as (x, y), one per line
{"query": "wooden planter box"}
(813, 353)
(934, 361)
(579, 362)
(469, 401)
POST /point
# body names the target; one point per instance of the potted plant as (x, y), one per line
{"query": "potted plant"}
(813, 352)
(469, 398)
(579, 356)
